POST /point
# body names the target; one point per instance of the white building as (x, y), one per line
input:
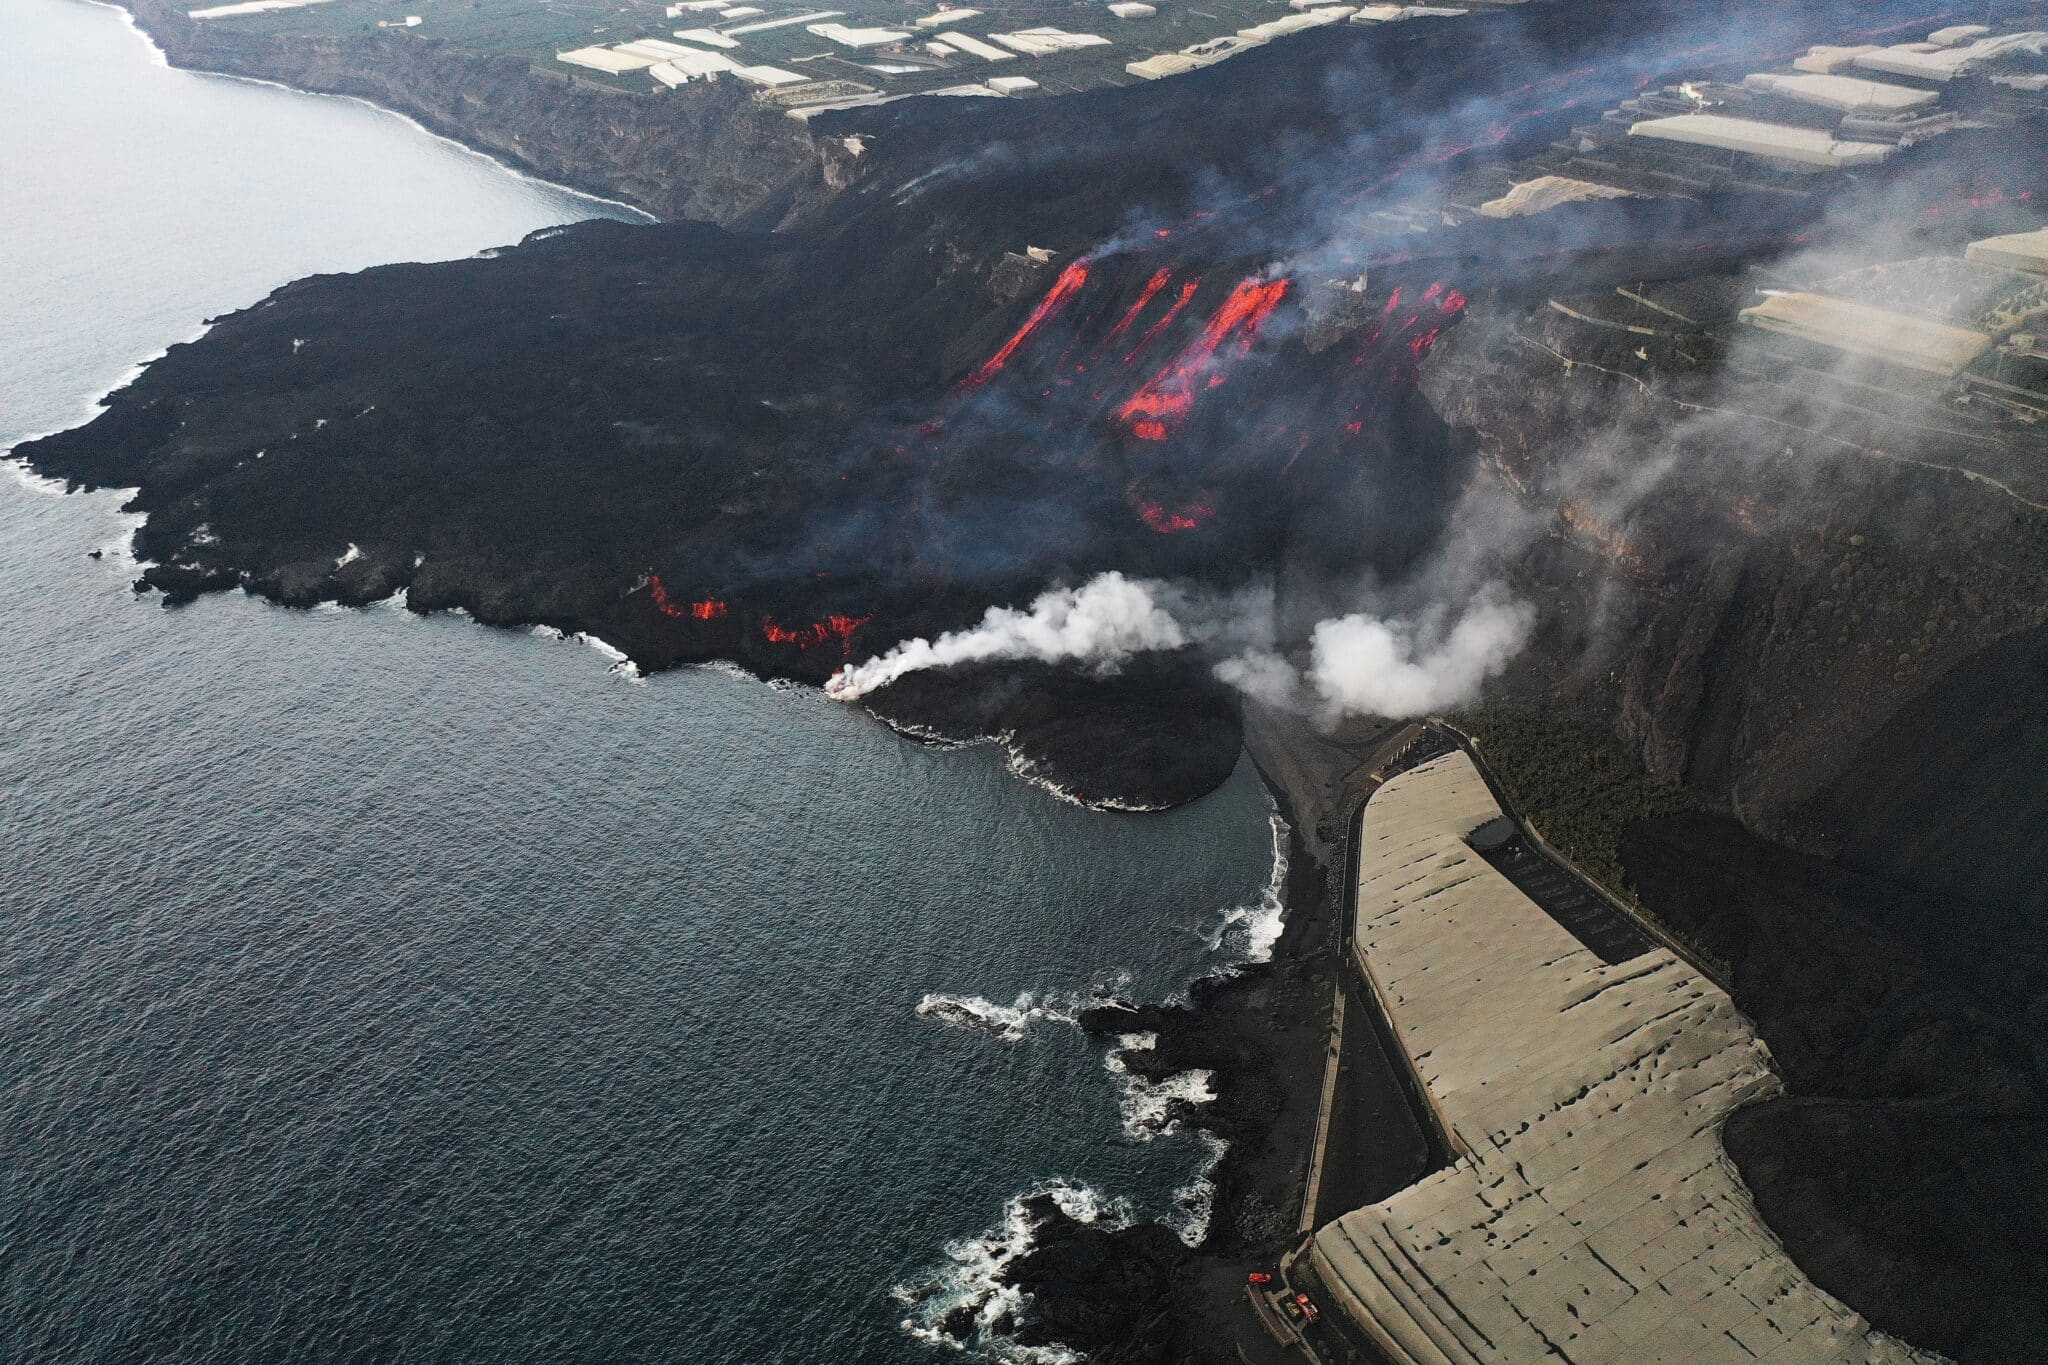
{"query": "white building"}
(2026, 251)
(857, 37)
(1928, 61)
(606, 60)
(1872, 333)
(1043, 42)
(975, 47)
(1845, 93)
(1799, 149)
(709, 37)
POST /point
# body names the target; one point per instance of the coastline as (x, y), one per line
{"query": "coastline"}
(162, 58)
(467, 148)
(749, 170)
(1133, 1292)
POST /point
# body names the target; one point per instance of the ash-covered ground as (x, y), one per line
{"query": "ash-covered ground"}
(1217, 336)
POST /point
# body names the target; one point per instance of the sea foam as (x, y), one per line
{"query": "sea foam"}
(1008, 1022)
(971, 1280)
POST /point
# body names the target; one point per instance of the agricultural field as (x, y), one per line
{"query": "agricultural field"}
(923, 60)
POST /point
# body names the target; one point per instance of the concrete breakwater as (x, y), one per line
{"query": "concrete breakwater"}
(1592, 1212)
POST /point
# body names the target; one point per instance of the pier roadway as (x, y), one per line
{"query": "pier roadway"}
(1590, 1213)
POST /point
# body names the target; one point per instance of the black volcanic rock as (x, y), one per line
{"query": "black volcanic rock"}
(1907, 1170)
(1157, 732)
(1113, 1294)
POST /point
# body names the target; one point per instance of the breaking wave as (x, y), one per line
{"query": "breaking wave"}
(1194, 1203)
(1247, 934)
(964, 1305)
(1151, 1109)
(1007, 1022)
(1012, 1021)
(622, 663)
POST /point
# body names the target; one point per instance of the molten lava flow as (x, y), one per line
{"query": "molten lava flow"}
(1145, 297)
(1418, 331)
(1169, 521)
(1063, 289)
(833, 628)
(1168, 396)
(708, 609)
(1187, 294)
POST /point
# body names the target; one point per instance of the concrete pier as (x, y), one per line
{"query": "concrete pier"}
(1592, 1213)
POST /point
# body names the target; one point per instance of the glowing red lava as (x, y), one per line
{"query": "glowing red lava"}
(1168, 396)
(1063, 289)
(1187, 294)
(708, 609)
(1145, 297)
(1419, 330)
(833, 628)
(1169, 521)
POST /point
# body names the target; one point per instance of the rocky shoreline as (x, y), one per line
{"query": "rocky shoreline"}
(1138, 1295)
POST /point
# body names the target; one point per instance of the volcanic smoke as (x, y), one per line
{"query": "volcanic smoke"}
(1362, 664)
(1103, 622)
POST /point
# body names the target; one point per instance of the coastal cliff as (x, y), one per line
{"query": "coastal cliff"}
(707, 151)
(1790, 578)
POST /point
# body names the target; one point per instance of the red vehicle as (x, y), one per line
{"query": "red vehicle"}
(1308, 1310)
(1259, 1277)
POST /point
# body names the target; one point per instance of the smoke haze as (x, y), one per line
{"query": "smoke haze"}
(1361, 664)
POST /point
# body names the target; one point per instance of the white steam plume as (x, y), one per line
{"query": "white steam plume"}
(1396, 666)
(1393, 666)
(1104, 621)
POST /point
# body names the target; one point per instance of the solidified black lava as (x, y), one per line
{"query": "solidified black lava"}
(1115, 1295)
(1154, 733)
(794, 449)
(1907, 1170)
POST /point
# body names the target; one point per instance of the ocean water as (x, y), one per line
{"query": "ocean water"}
(390, 988)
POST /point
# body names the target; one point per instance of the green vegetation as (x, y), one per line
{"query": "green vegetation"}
(1571, 780)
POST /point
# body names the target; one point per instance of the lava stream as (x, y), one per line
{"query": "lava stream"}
(1145, 297)
(836, 627)
(708, 609)
(1169, 395)
(1187, 295)
(1063, 289)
